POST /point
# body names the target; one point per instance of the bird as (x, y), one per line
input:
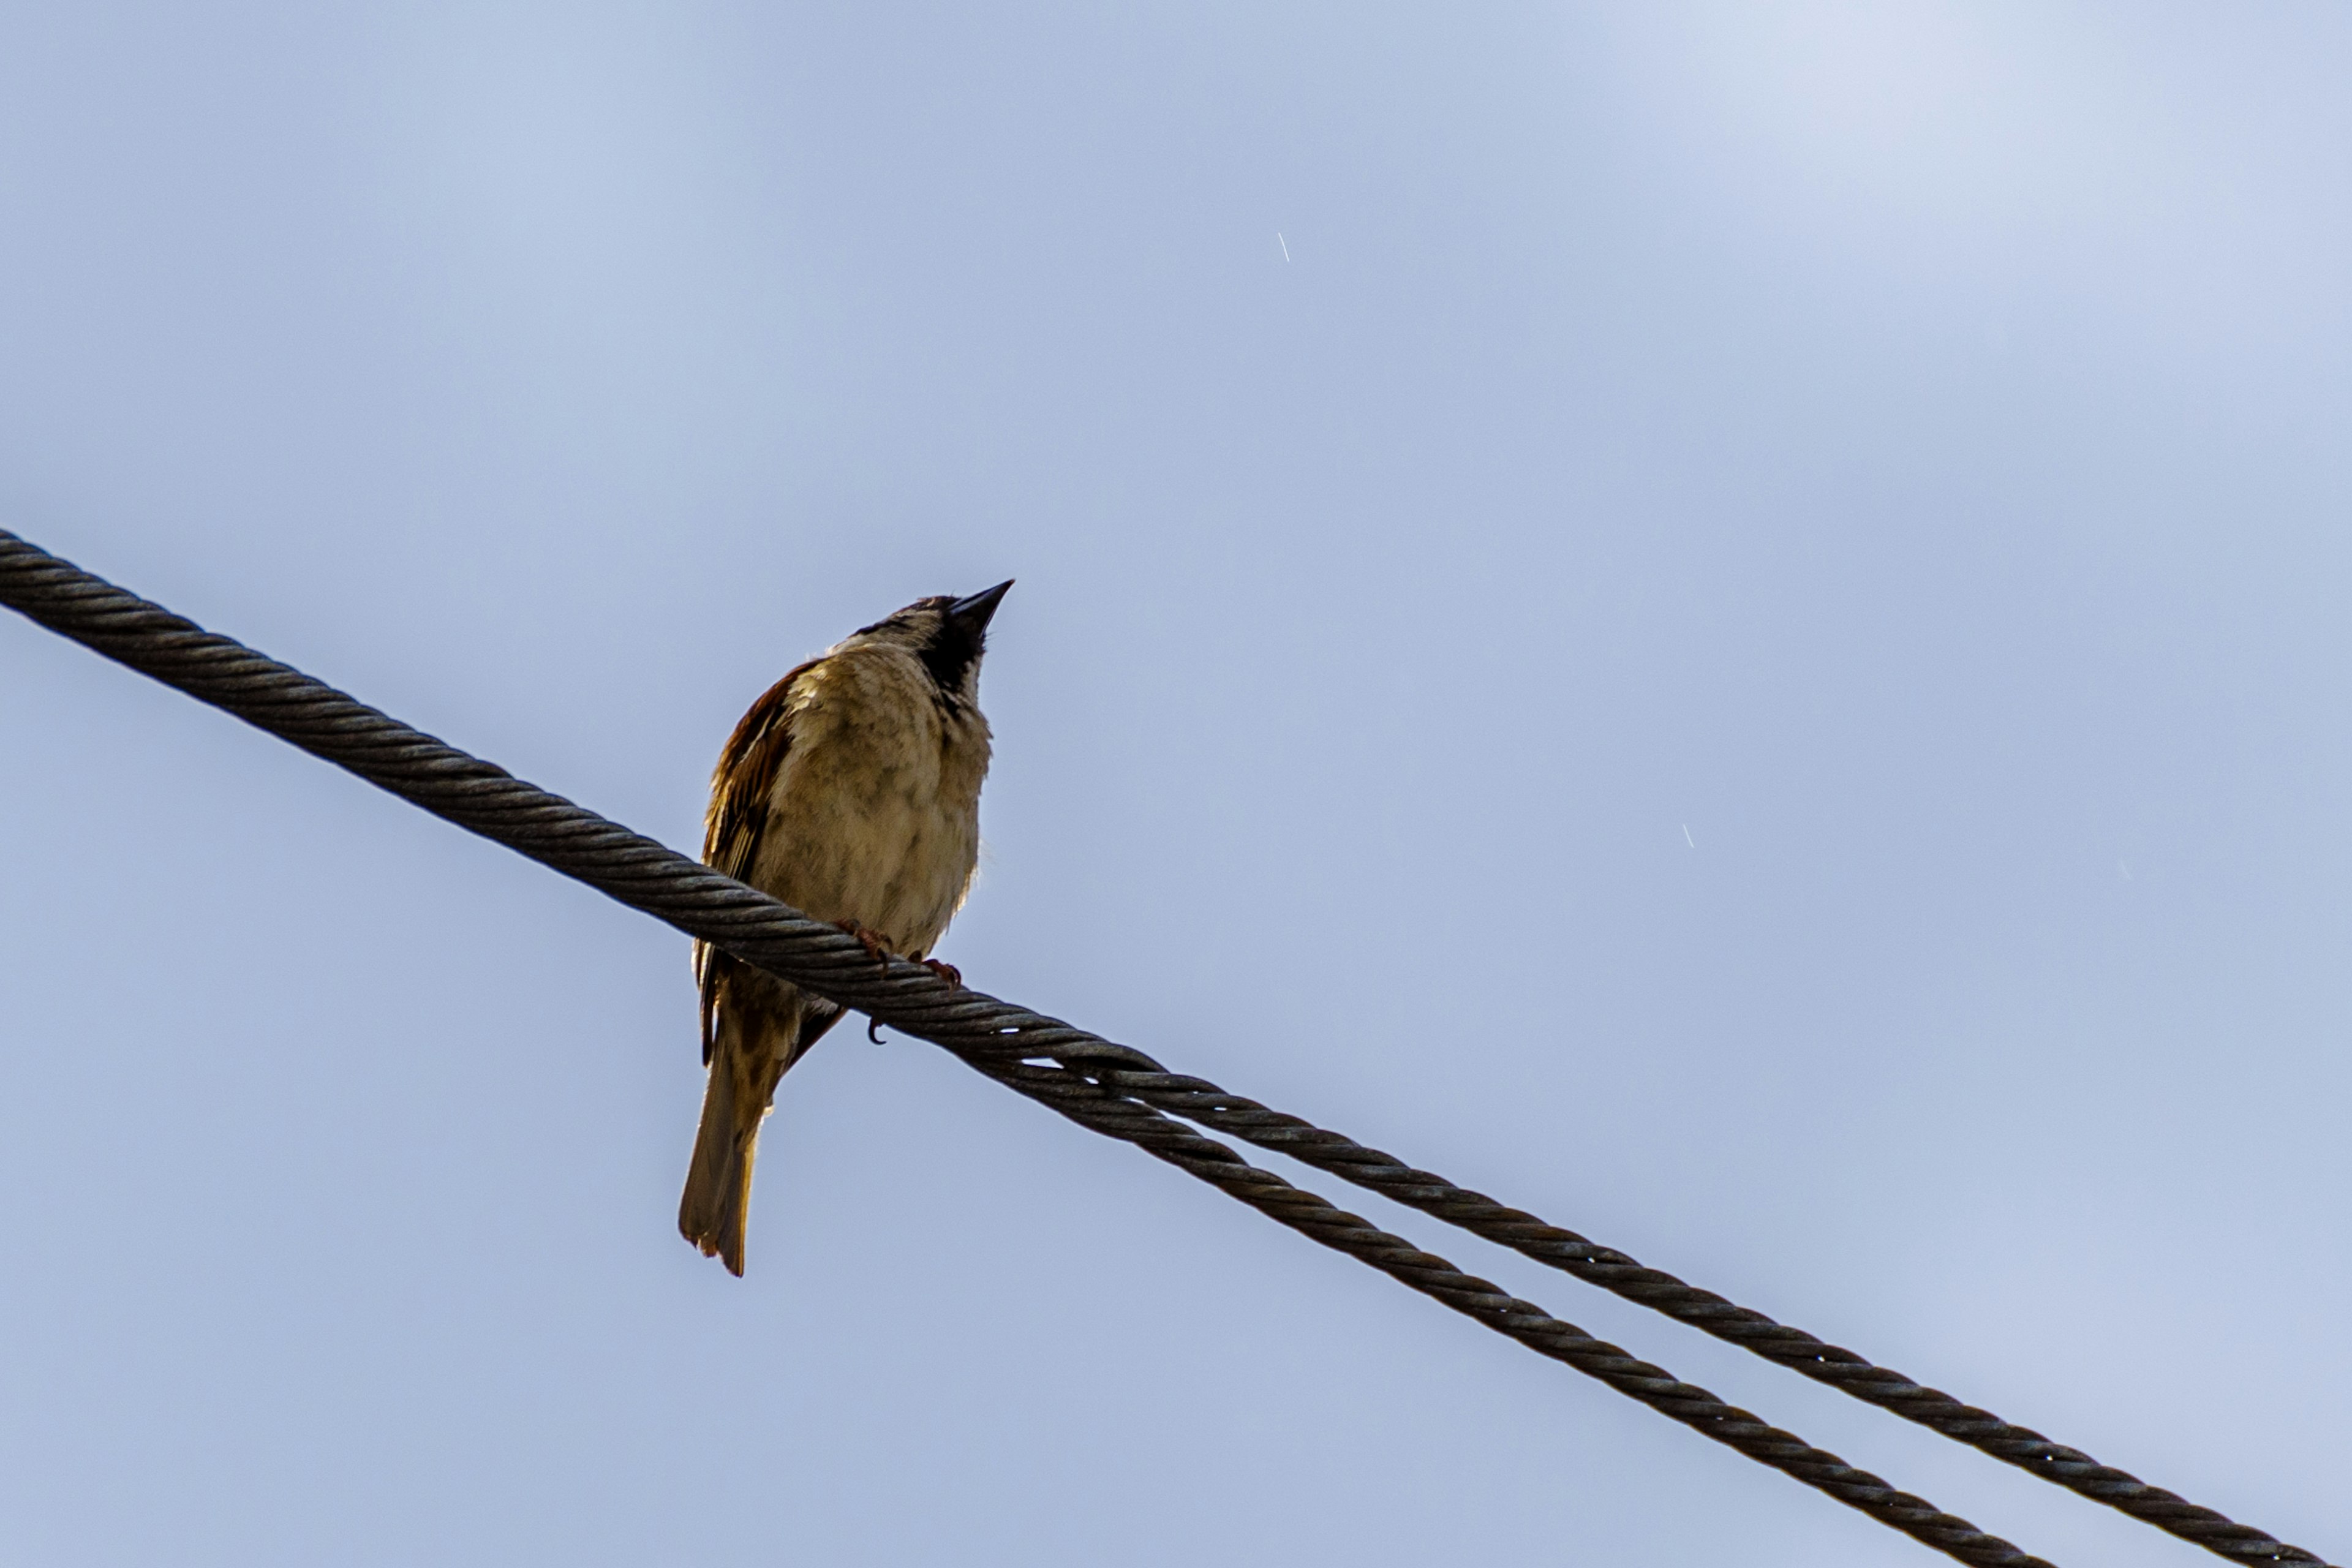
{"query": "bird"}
(851, 791)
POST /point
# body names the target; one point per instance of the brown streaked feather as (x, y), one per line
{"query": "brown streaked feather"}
(739, 789)
(745, 773)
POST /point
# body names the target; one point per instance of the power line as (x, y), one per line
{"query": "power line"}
(1199, 1100)
(1109, 1089)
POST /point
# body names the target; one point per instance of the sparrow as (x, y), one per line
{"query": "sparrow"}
(850, 791)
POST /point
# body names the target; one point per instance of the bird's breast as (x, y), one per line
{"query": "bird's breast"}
(874, 816)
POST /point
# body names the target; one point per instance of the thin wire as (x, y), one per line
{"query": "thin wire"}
(1108, 1087)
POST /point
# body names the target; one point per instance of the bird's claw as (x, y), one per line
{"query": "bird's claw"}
(871, 940)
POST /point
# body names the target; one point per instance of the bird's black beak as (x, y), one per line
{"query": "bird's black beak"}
(974, 613)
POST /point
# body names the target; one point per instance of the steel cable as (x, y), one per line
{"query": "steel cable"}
(1109, 1089)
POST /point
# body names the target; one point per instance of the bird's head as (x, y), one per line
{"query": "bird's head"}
(947, 634)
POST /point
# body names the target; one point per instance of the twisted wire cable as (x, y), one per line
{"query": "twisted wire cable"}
(1109, 1089)
(1100, 1109)
(1199, 1100)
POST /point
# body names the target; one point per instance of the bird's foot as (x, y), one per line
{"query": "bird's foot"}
(871, 940)
(946, 972)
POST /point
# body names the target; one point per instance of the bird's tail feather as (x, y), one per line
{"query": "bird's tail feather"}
(718, 1181)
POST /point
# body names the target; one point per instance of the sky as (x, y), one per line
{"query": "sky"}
(1724, 621)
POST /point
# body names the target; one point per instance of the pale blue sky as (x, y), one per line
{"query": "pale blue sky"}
(1743, 647)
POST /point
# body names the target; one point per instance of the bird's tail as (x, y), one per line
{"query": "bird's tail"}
(719, 1182)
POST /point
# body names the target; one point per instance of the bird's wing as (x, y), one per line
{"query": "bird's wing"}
(739, 789)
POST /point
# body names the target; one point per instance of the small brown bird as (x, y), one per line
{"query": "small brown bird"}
(851, 791)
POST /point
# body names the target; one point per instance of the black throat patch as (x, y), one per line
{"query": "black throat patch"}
(953, 650)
